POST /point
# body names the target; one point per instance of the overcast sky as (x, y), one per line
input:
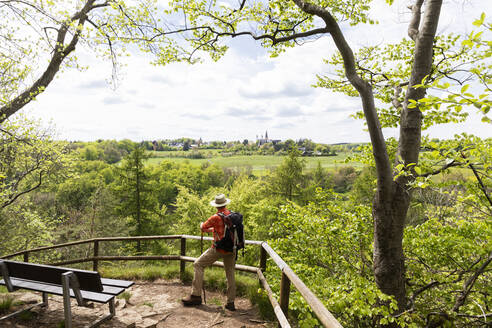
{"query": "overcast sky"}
(240, 97)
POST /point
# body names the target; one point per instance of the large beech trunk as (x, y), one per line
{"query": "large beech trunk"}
(390, 206)
(389, 215)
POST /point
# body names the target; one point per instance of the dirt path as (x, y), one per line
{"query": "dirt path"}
(150, 305)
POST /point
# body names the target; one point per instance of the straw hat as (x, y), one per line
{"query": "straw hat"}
(220, 200)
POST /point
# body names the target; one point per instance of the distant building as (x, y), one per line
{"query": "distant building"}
(262, 140)
(175, 144)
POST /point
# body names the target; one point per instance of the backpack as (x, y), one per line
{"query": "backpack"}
(233, 239)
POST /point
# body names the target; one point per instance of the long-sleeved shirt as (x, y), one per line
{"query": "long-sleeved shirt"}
(216, 222)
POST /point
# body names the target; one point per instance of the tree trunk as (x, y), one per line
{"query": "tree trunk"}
(389, 215)
(390, 209)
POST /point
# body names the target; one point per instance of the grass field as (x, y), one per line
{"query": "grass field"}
(258, 163)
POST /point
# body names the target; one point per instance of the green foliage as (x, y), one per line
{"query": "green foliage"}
(167, 176)
(109, 151)
(328, 244)
(321, 178)
(28, 157)
(443, 254)
(343, 179)
(191, 209)
(287, 177)
(137, 202)
(364, 187)
(213, 21)
(23, 228)
(259, 207)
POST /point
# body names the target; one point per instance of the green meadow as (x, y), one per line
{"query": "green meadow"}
(257, 163)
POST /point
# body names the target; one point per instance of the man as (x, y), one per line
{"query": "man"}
(216, 225)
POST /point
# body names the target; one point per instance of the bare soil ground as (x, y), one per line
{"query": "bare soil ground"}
(150, 304)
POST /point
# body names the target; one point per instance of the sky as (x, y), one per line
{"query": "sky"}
(239, 97)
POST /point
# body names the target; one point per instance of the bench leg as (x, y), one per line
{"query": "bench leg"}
(66, 301)
(19, 311)
(42, 304)
(106, 317)
(45, 300)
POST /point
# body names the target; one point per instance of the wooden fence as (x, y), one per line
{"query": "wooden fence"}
(280, 307)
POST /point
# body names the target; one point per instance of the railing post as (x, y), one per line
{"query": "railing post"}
(182, 262)
(95, 262)
(263, 258)
(284, 293)
(26, 257)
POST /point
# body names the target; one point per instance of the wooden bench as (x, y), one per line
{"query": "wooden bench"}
(82, 285)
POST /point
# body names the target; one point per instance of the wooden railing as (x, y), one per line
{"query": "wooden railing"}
(280, 307)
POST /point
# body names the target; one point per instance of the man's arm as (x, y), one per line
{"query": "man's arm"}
(208, 225)
(205, 229)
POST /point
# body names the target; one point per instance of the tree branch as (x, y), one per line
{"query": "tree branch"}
(411, 118)
(453, 163)
(480, 182)
(13, 199)
(469, 284)
(395, 102)
(421, 290)
(380, 153)
(23, 140)
(61, 51)
(413, 27)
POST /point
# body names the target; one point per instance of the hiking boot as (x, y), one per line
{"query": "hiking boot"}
(230, 306)
(192, 300)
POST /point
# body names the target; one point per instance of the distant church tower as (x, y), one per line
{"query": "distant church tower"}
(266, 135)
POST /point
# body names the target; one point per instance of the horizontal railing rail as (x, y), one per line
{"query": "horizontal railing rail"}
(280, 307)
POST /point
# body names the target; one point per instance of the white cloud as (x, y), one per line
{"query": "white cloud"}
(237, 98)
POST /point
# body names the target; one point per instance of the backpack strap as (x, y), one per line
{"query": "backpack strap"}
(221, 215)
(234, 248)
(227, 227)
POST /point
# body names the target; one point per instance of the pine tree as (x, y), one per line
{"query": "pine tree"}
(136, 200)
(287, 177)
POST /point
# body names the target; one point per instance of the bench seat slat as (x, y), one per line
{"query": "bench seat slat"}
(112, 290)
(117, 282)
(57, 290)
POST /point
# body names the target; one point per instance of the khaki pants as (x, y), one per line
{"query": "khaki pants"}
(208, 258)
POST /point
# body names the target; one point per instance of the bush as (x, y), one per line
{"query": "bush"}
(6, 304)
